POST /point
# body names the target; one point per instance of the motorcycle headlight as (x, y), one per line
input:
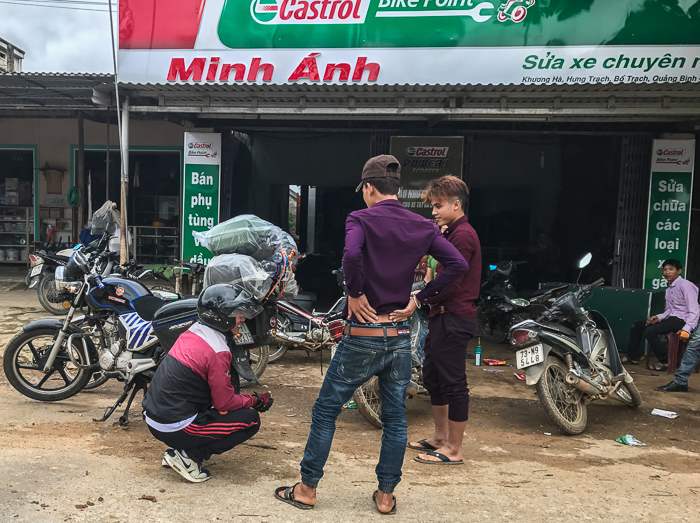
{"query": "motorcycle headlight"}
(520, 302)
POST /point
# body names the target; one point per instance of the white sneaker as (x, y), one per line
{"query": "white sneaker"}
(186, 467)
(165, 463)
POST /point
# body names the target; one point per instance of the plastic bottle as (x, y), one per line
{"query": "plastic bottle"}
(477, 354)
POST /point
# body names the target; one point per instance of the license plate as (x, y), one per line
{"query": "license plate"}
(530, 356)
(35, 270)
(245, 337)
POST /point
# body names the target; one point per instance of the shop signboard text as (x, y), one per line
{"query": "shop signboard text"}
(670, 197)
(200, 192)
(409, 41)
(424, 158)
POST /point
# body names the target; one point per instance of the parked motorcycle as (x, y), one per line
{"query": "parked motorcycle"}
(126, 332)
(42, 265)
(297, 327)
(570, 355)
(501, 306)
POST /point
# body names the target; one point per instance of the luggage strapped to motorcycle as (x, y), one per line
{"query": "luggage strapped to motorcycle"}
(287, 263)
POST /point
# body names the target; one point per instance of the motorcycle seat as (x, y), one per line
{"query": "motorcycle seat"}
(148, 305)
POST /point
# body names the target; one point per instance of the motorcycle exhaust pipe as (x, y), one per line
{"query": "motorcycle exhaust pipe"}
(583, 385)
(284, 338)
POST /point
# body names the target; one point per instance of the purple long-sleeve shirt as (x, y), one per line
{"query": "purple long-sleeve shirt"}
(383, 246)
(682, 302)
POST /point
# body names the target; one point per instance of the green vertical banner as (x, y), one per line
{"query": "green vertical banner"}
(200, 192)
(670, 195)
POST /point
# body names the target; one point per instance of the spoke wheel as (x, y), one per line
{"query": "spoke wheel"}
(24, 360)
(369, 401)
(49, 298)
(561, 401)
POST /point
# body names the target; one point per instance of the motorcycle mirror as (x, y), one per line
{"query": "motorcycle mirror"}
(585, 261)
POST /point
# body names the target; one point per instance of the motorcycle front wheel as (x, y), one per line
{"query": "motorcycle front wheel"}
(24, 360)
(629, 395)
(50, 300)
(562, 402)
(486, 329)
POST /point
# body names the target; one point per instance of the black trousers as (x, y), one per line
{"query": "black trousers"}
(445, 366)
(212, 433)
(651, 333)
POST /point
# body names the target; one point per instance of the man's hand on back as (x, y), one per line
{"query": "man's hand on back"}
(361, 309)
(403, 314)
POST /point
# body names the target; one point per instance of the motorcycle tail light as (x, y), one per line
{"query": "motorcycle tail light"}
(522, 336)
(34, 260)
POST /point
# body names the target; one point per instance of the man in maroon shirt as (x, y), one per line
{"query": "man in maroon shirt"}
(383, 245)
(452, 324)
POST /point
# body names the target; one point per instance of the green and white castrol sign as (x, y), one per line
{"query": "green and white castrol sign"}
(410, 41)
(200, 192)
(670, 198)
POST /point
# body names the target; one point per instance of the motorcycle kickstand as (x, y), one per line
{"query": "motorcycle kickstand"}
(117, 404)
(124, 418)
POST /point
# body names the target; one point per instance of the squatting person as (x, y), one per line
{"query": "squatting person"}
(191, 405)
(383, 245)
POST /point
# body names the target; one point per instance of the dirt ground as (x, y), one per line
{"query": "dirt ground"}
(59, 465)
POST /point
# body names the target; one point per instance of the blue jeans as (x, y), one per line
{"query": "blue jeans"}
(691, 357)
(357, 359)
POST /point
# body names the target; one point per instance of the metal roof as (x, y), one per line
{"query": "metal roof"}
(31, 94)
(49, 91)
(639, 102)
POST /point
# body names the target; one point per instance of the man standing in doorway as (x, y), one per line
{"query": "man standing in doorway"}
(452, 324)
(383, 245)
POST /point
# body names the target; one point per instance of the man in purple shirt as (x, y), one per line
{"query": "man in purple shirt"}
(681, 315)
(383, 245)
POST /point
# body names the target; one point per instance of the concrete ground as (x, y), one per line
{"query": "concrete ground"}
(59, 465)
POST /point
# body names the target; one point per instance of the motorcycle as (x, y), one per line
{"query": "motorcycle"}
(297, 327)
(570, 355)
(125, 333)
(42, 265)
(500, 305)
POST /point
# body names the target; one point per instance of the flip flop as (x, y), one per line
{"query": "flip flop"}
(391, 512)
(444, 460)
(424, 445)
(288, 497)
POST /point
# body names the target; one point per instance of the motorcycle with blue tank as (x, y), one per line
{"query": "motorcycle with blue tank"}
(125, 332)
(570, 355)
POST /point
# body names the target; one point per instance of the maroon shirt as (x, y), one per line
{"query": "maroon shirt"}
(383, 245)
(459, 298)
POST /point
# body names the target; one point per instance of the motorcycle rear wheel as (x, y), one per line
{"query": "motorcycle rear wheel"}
(563, 403)
(369, 402)
(23, 364)
(486, 330)
(629, 395)
(48, 297)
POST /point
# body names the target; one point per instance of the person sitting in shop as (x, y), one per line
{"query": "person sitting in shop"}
(681, 316)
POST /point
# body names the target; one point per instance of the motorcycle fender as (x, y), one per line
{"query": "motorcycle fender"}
(32, 282)
(55, 323)
(534, 373)
(240, 362)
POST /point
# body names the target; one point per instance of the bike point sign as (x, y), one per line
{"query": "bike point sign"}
(424, 158)
(408, 42)
(670, 198)
(200, 192)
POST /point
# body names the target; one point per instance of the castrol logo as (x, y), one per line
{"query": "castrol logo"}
(293, 12)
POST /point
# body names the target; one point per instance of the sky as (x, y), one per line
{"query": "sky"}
(59, 39)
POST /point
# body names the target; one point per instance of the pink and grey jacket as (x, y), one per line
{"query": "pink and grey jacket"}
(193, 377)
